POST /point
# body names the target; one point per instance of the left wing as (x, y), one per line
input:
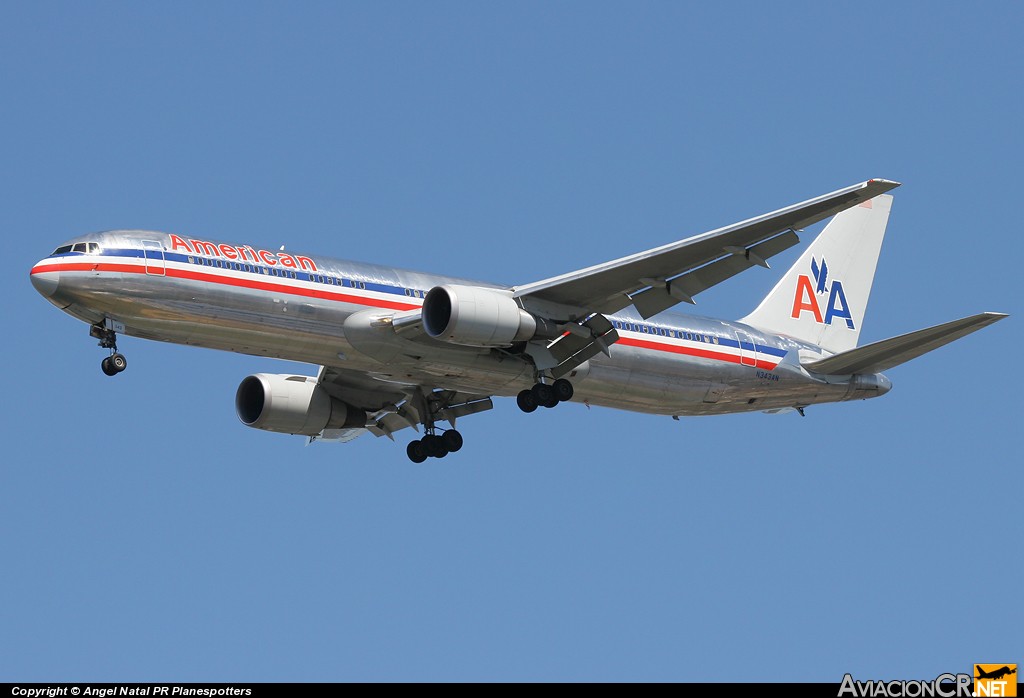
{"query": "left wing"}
(390, 406)
(657, 279)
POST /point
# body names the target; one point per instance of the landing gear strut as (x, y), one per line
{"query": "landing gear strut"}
(435, 443)
(544, 395)
(115, 363)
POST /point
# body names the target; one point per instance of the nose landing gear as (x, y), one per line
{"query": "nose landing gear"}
(115, 363)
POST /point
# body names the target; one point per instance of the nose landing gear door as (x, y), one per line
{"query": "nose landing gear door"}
(154, 252)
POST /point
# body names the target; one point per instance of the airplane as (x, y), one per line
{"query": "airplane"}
(996, 674)
(398, 348)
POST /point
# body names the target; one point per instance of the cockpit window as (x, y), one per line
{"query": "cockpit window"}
(81, 247)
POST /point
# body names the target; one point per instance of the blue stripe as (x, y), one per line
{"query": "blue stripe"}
(226, 264)
(382, 288)
(747, 346)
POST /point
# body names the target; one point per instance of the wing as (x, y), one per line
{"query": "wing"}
(657, 279)
(391, 406)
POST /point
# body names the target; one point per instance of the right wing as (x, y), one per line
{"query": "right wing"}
(657, 279)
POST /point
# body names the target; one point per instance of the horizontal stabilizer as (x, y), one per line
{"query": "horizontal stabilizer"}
(879, 356)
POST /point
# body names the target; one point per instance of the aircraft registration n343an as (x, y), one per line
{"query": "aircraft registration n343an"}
(399, 348)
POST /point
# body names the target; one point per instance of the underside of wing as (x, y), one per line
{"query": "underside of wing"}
(391, 406)
(657, 279)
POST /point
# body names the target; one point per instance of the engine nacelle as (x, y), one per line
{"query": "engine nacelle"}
(292, 405)
(476, 317)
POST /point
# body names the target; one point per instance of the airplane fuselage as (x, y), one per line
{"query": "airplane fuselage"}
(331, 312)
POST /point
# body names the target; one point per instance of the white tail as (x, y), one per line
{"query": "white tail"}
(823, 297)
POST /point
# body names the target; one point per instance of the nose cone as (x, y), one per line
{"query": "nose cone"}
(45, 278)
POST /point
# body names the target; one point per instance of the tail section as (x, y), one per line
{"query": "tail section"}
(823, 297)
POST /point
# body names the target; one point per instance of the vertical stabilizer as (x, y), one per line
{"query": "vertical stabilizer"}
(823, 297)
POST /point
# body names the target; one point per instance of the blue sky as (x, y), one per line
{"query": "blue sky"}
(148, 535)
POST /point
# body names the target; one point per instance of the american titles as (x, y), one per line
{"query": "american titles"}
(243, 253)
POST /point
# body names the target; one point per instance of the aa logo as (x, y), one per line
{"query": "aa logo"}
(995, 680)
(807, 292)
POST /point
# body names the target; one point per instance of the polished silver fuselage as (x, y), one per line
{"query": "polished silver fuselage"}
(324, 311)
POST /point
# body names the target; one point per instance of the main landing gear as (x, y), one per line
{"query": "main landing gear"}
(115, 363)
(434, 445)
(429, 407)
(544, 395)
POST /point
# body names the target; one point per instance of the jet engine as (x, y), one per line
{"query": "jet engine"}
(292, 405)
(476, 317)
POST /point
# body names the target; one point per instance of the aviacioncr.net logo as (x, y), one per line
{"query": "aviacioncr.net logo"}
(944, 686)
(806, 296)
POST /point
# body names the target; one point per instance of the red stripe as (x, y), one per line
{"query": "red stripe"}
(230, 281)
(360, 300)
(690, 351)
(43, 268)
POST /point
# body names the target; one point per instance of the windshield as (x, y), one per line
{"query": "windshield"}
(80, 247)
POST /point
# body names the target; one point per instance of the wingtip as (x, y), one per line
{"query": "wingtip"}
(887, 183)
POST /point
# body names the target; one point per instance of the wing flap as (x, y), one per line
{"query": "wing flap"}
(573, 348)
(342, 436)
(880, 356)
(464, 409)
(661, 297)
